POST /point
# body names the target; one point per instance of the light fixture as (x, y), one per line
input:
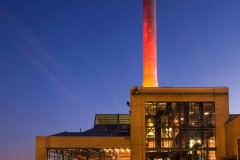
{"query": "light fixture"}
(135, 90)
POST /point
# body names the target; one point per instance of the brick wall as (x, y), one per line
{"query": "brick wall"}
(219, 95)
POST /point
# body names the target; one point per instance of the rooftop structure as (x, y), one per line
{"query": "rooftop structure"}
(105, 125)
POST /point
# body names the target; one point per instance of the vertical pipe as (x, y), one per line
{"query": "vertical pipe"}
(149, 44)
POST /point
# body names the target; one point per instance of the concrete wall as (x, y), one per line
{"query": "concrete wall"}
(232, 135)
(77, 142)
(219, 95)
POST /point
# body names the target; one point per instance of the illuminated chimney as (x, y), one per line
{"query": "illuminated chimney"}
(149, 44)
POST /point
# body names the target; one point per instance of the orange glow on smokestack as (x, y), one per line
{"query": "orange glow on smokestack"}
(149, 44)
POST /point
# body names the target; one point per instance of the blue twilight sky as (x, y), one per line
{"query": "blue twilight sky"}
(62, 61)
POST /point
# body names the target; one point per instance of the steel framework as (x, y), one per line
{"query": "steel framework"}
(176, 130)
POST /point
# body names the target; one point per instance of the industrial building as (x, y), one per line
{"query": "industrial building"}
(164, 123)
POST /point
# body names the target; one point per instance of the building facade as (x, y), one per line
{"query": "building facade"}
(178, 123)
(233, 137)
(164, 123)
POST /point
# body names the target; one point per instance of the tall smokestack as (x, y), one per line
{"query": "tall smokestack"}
(149, 44)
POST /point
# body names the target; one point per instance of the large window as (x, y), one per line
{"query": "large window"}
(177, 129)
(88, 154)
(103, 119)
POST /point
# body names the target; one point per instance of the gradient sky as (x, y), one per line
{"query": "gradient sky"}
(63, 61)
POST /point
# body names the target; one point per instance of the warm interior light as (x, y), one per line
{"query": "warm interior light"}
(169, 129)
(199, 141)
(194, 141)
(191, 143)
(151, 133)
